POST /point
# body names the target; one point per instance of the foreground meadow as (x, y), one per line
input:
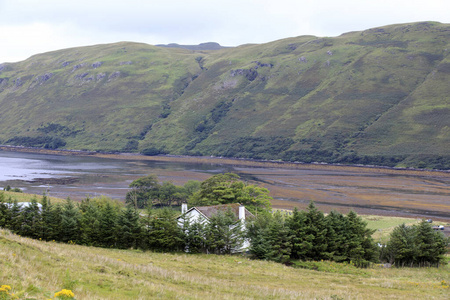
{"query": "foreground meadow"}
(36, 270)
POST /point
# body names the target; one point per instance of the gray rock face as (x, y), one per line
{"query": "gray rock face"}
(81, 76)
(100, 76)
(45, 77)
(97, 64)
(114, 75)
(250, 74)
(76, 67)
(18, 82)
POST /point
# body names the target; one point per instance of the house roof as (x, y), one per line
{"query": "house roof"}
(209, 211)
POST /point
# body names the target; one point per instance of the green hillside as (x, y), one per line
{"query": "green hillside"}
(37, 270)
(379, 96)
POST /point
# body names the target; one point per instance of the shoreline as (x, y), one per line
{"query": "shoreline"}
(231, 161)
(367, 190)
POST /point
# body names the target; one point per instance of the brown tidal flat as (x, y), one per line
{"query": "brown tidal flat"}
(367, 190)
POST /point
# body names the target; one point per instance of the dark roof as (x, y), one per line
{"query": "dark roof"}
(209, 211)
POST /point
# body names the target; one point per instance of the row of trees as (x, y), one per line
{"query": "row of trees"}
(310, 235)
(147, 191)
(417, 245)
(218, 189)
(102, 222)
(304, 235)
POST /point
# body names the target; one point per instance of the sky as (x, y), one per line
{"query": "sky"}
(29, 27)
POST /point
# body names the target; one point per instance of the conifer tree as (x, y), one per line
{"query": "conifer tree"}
(30, 219)
(15, 222)
(316, 234)
(280, 238)
(163, 233)
(70, 222)
(45, 225)
(361, 247)
(337, 236)
(401, 248)
(4, 211)
(129, 228)
(431, 245)
(55, 220)
(301, 241)
(193, 234)
(257, 231)
(90, 223)
(223, 233)
(108, 223)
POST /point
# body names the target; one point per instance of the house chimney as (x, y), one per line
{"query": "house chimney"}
(241, 212)
(183, 208)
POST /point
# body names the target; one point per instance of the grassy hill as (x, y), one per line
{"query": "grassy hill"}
(379, 96)
(36, 270)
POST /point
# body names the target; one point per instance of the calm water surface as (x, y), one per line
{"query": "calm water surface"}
(77, 176)
(363, 191)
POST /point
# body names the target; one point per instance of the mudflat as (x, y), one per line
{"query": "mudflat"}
(366, 190)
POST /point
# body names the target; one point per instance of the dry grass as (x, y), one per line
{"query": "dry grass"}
(25, 197)
(38, 269)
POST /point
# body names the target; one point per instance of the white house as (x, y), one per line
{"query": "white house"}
(23, 205)
(202, 214)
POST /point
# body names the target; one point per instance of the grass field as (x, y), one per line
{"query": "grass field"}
(36, 270)
(25, 197)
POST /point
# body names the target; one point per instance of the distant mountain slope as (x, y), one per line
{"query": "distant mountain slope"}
(379, 96)
(199, 47)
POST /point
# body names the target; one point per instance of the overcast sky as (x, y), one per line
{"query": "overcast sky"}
(28, 27)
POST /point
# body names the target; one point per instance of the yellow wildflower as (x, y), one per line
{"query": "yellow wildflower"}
(65, 294)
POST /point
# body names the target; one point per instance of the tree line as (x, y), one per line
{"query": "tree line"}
(302, 235)
(218, 189)
(102, 222)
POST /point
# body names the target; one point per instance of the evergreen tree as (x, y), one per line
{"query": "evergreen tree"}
(337, 237)
(70, 222)
(193, 234)
(223, 233)
(401, 248)
(257, 231)
(129, 229)
(30, 219)
(90, 223)
(55, 221)
(301, 240)
(146, 223)
(15, 217)
(361, 247)
(280, 238)
(163, 233)
(5, 217)
(315, 241)
(108, 223)
(431, 245)
(45, 225)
